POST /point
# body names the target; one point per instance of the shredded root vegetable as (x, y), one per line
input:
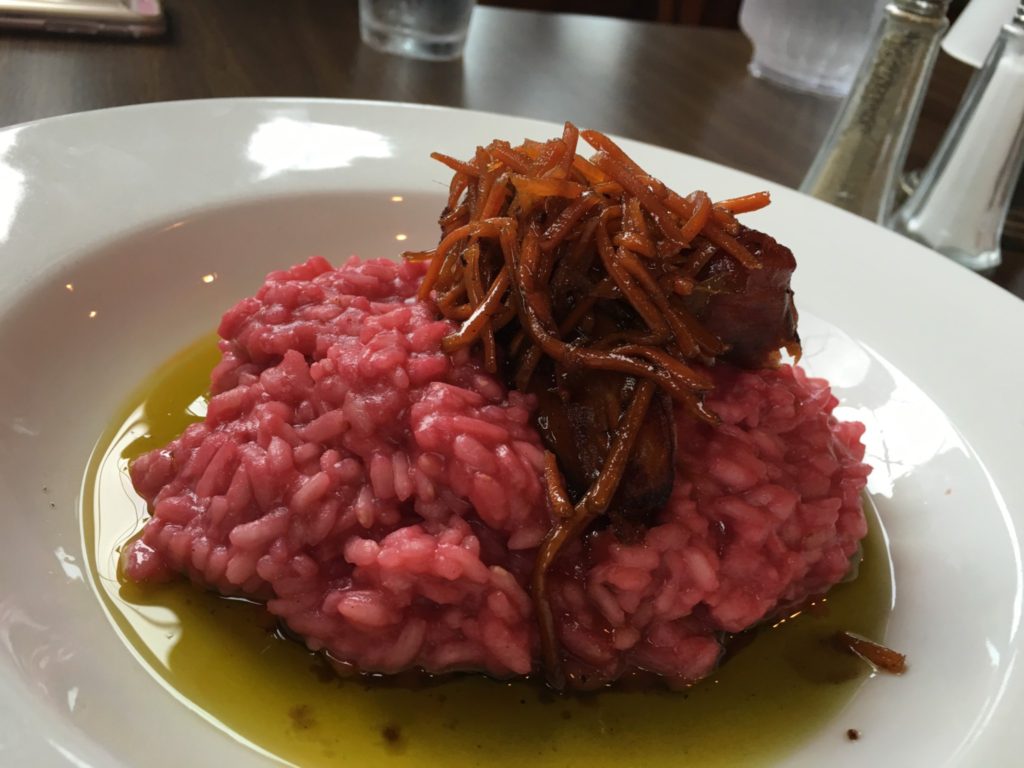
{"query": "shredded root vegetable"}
(877, 655)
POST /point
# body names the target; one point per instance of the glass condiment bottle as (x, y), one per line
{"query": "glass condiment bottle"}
(858, 165)
(960, 204)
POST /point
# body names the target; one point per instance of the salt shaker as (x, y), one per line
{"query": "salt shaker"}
(857, 167)
(960, 205)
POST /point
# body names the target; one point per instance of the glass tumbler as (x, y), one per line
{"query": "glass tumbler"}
(421, 29)
(809, 45)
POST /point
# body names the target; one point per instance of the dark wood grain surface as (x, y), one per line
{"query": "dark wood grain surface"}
(680, 87)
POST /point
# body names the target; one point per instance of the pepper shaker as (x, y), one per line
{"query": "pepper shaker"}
(857, 167)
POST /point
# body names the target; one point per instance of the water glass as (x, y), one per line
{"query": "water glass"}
(421, 29)
(810, 45)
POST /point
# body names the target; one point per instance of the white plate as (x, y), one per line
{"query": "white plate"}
(131, 207)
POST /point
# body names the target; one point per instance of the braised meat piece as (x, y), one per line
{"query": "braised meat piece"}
(578, 419)
(750, 310)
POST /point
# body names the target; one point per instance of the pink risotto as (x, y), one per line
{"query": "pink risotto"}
(386, 500)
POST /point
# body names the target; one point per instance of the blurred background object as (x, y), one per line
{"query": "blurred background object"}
(115, 18)
(704, 13)
(807, 44)
(959, 206)
(859, 164)
(421, 29)
(723, 14)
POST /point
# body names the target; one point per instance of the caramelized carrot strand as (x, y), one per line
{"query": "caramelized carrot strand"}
(475, 324)
(701, 212)
(456, 165)
(594, 502)
(745, 203)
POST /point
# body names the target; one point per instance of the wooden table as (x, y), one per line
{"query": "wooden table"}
(680, 87)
